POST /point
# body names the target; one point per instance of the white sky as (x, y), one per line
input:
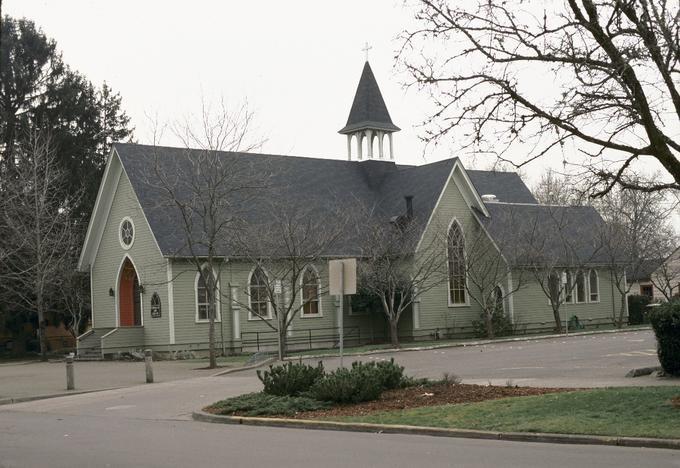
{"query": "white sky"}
(296, 62)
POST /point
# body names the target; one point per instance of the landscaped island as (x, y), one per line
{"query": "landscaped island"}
(380, 393)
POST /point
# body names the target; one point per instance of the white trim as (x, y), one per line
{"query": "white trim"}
(251, 316)
(415, 309)
(575, 290)
(116, 295)
(448, 271)
(120, 236)
(91, 225)
(318, 295)
(171, 302)
(92, 297)
(511, 298)
(480, 204)
(235, 313)
(597, 281)
(217, 298)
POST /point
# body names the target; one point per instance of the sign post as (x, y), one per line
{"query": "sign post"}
(277, 293)
(342, 281)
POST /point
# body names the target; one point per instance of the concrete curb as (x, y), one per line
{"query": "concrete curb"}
(245, 368)
(11, 401)
(466, 343)
(673, 444)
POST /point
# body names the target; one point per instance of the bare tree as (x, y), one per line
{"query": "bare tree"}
(393, 266)
(608, 72)
(558, 189)
(490, 281)
(39, 228)
(666, 278)
(637, 230)
(209, 190)
(285, 251)
(558, 249)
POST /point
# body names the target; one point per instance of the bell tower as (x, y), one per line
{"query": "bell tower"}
(369, 121)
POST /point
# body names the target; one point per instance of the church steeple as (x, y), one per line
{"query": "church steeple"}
(369, 119)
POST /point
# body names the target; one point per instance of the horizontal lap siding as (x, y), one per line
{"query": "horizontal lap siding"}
(434, 310)
(150, 266)
(532, 308)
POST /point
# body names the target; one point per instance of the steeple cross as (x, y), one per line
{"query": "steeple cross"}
(366, 49)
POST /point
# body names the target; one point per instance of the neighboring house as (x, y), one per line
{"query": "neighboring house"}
(146, 295)
(658, 279)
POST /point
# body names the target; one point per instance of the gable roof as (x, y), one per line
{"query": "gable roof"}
(368, 108)
(645, 270)
(315, 183)
(529, 232)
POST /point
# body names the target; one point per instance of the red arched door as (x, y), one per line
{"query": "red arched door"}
(129, 300)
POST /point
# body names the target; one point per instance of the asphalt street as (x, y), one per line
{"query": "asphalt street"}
(150, 425)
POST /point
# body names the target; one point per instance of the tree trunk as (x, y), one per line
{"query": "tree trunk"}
(211, 341)
(488, 321)
(394, 333)
(41, 328)
(622, 312)
(558, 320)
(282, 343)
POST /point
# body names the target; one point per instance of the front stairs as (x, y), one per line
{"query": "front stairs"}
(90, 346)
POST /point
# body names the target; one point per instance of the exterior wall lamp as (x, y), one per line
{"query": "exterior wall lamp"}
(111, 292)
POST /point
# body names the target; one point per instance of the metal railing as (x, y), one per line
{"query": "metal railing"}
(306, 337)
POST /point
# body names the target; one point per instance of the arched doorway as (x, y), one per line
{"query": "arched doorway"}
(129, 296)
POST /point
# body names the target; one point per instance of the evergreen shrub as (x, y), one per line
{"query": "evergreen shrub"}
(665, 320)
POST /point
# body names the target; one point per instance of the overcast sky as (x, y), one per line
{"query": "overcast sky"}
(296, 62)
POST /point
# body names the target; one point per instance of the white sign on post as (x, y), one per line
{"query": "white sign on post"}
(342, 276)
(342, 280)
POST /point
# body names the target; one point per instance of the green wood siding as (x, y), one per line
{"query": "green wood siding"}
(144, 254)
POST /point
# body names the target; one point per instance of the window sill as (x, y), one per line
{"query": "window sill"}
(309, 316)
(456, 306)
(207, 321)
(255, 318)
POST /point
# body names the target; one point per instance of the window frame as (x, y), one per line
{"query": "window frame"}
(597, 283)
(159, 306)
(120, 234)
(218, 312)
(251, 315)
(449, 288)
(315, 272)
(578, 289)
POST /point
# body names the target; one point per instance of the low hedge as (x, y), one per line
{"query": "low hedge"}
(291, 379)
(665, 320)
(262, 404)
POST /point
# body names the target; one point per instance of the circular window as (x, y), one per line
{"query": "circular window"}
(127, 233)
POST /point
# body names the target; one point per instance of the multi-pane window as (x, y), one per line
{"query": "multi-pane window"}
(205, 295)
(456, 260)
(310, 292)
(580, 287)
(568, 287)
(594, 286)
(155, 305)
(258, 292)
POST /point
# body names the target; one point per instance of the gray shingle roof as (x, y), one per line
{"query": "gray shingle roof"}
(368, 108)
(645, 270)
(318, 184)
(527, 233)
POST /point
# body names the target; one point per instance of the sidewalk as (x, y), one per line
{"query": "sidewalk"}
(25, 380)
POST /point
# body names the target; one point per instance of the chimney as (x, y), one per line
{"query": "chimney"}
(409, 206)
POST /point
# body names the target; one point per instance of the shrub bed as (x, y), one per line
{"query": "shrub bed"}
(262, 404)
(665, 320)
(291, 379)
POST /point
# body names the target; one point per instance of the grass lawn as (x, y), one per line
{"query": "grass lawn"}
(628, 411)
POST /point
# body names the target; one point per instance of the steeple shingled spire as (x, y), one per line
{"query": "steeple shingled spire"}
(368, 117)
(368, 109)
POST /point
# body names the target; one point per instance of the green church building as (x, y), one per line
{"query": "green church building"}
(145, 294)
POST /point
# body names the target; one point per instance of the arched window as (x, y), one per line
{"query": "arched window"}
(155, 305)
(206, 292)
(568, 287)
(258, 293)
(310, 293)
(594, 283)
(456, 257)
(499, 303)
(580, 287)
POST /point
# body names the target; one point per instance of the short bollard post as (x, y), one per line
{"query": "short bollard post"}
(70, 381)
(148, 360)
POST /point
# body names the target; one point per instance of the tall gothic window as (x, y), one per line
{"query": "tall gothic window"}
(594, 286)
(310, 292)
(259, 305)
(456, 258)
(580, 287)
(205, 304)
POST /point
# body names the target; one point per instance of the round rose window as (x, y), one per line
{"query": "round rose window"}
(127, 233)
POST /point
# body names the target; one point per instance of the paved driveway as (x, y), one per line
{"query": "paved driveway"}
(577, 361)
(149, 425)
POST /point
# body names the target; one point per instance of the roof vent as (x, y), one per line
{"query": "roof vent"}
(489, 197)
